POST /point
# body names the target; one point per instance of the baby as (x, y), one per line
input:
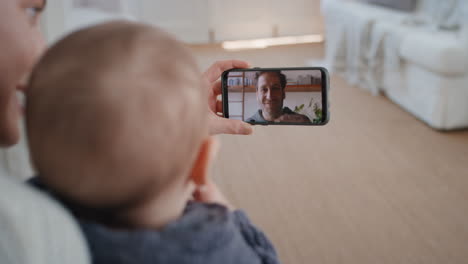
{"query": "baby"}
(117, 126)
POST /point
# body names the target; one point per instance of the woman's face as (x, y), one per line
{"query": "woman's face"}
(21, 44)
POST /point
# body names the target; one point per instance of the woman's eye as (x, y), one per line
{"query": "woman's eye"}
(33, 12)
(33, 9)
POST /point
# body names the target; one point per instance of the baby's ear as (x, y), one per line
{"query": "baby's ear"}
(206, 155)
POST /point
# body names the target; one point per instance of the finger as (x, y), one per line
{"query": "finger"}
(216, 146)
(219, 106)
(217, 88)
(221, 125)
(237, 127)
(214, 71)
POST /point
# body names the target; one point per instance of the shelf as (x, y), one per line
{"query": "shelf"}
(289, 88)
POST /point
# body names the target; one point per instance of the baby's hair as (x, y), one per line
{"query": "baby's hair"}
(115, 114)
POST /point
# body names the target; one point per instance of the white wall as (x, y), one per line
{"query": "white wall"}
(198, 21)
(189, 21)
(241, 19)
(297, 17)
(61, 17)
(53, 21)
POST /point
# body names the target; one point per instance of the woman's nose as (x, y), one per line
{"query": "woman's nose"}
(40, 45)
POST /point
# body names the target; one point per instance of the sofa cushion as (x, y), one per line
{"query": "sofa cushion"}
(402, 5)
(362, 10)
(442, 52)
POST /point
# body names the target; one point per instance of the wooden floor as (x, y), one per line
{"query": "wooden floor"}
(374, 186)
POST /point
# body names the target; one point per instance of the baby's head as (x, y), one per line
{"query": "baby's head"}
(117, 117)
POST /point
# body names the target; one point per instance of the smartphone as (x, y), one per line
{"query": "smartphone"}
(277, 96)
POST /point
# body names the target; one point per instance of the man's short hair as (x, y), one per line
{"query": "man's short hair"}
(280, 75)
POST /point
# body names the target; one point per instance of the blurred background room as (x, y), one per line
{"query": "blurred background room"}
(386, 181)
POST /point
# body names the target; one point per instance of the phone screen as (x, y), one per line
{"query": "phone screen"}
(283, 96)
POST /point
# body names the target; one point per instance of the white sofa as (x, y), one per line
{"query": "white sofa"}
(406, 56)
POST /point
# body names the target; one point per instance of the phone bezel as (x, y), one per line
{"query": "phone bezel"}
(325, 92)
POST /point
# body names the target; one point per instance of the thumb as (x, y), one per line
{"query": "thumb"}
(221, 125)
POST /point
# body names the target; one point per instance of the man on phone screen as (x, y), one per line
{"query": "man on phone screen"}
(271, 93)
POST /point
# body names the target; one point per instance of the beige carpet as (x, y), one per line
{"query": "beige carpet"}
(374, 186)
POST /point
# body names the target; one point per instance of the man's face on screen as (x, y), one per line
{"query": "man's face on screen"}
(270, 94)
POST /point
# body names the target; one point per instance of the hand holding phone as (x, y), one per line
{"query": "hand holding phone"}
(217, 124)
(277, 96)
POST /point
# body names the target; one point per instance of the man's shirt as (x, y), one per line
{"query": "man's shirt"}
(258, 116)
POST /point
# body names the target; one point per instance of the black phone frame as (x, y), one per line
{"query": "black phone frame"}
(325, 94)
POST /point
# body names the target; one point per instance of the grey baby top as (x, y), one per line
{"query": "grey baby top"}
(206, 233)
